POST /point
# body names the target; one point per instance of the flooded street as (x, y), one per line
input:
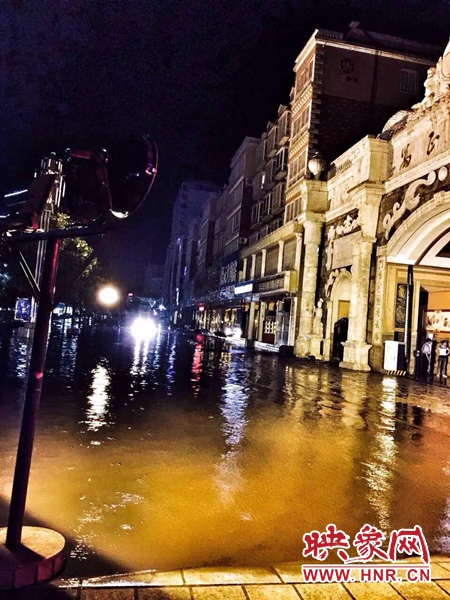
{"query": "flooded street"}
(172, 452)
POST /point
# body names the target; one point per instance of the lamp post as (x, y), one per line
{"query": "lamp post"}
(32, 554)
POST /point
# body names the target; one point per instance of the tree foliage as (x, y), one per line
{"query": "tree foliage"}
(71, 287)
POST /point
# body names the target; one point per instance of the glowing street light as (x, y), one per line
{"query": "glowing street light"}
(108, 296)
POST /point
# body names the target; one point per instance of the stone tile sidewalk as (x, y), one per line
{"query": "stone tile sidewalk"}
(280, 582)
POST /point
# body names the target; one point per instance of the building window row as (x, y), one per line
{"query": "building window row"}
(304, 77)
(292, 210)
(297, 167)
(301, 122)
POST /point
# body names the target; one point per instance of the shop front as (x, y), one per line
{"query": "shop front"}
(267, 309)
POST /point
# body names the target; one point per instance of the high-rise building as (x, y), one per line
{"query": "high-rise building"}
(153, 282)
(188, 205)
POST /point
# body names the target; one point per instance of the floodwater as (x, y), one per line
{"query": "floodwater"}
(171, 452)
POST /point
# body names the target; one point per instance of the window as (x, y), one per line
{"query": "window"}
(236, 222)
(409, 81)
(297, 168)
(304, 77)
(301, 122)
(263, 179)
(281, 158)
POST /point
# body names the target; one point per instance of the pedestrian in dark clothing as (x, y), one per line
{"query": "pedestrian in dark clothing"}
(444, 351)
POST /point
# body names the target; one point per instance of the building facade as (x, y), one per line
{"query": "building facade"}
(384, 279)
(345, 87)
(331, 236)
(189, 203)
(153, 281)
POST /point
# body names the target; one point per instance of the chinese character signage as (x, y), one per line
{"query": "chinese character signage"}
(367, 547)
(22, 311)
(228, 276)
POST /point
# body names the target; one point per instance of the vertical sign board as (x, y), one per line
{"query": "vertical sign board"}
(228, 276)
(22, 311)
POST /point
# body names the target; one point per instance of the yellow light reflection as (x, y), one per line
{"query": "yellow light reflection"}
(98, 401)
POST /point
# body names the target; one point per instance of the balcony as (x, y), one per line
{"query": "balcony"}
(261, 156)
(281, 172)
(278, 199)
(267, 208)
(272, 142)
(284, 128)
(256, 216)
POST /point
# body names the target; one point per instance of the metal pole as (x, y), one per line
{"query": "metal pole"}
(32, 396)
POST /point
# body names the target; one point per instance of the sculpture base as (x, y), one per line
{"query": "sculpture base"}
(39, 557)
(316, 347)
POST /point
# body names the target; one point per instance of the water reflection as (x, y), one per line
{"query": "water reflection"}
(98, 401)
(172, 452)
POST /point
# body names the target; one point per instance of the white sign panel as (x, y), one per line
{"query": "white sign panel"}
(391, 355)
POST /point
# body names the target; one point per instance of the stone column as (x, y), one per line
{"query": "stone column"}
(253, 267)
(280, 255)
(263, 262)
(312, 238)
(251, 321)
(262, 316)
(244, 269)
(356, 348)
(298, 253)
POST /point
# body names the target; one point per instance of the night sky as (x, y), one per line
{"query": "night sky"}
(197, 75)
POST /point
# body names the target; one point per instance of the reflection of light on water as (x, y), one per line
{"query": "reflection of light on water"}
(380, 466)
(98, 401)
(92, 520)
(18, 357)
(196, 369)
(234, 403)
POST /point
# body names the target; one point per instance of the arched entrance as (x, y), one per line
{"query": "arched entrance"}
(421, 245)
(337, 309)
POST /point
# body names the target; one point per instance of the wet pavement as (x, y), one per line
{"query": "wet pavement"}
(169, 452)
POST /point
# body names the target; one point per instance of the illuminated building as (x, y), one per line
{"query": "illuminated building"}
(346, 86)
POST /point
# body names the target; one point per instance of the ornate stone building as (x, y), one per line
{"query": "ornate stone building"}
(346, 86)
(386, 246)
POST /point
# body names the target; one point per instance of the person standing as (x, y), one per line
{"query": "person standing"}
(427, 349)
(444, 351)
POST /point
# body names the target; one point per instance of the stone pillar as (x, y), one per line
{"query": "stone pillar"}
(244, 269)
(293, 321)
(253, 267)
(263, 262)
(298, 253)
(280, 255)
(262, 316)
(356, 348)
(312, 238)
(251, 320)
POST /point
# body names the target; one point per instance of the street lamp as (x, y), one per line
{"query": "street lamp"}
(108, 295)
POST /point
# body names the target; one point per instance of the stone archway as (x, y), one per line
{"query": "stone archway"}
(419, 242)
(418, 232)
(340, 294)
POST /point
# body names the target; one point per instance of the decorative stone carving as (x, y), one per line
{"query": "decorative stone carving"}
(379, 298)
(350, 223)
(317, 323)
(410, 202)
(329, 284)
(347, 226)
(437, 86)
